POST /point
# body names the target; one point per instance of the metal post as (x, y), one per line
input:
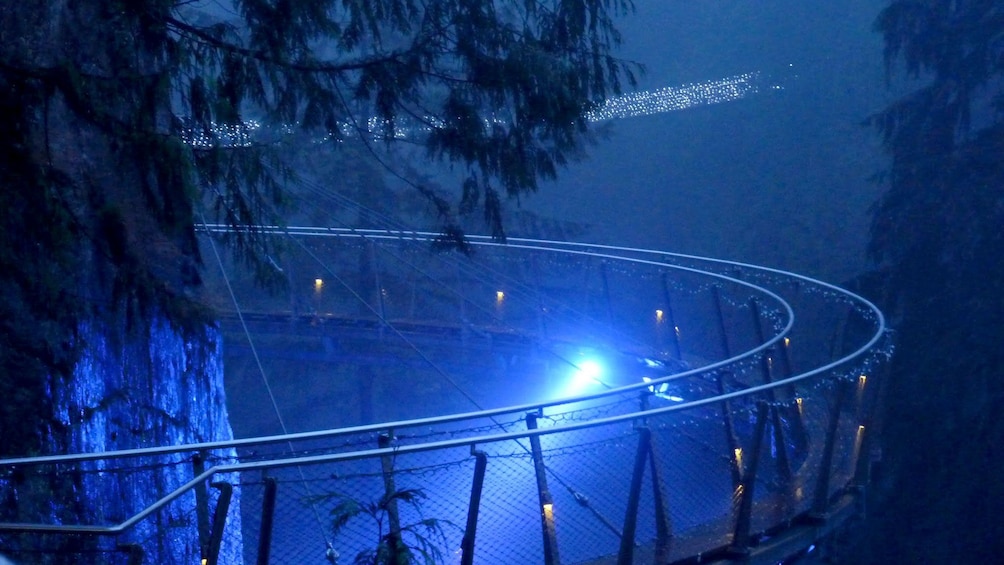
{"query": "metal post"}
(675, 338)
(741, 537)
(201, 503)
(730, 431)
(544, 496)
(267, 519)
(766, 365)
(393, 517)
(467, 544)
(626, 554)
(730, 434)
(863, 469)
(821, 500)
(219, 522)
(663, 521)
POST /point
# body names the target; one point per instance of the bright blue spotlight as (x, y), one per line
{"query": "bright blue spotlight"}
(583, 378)
(589, 372)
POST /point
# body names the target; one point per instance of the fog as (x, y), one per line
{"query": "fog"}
(779, 178)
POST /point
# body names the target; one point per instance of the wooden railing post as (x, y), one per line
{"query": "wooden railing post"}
(543, 495)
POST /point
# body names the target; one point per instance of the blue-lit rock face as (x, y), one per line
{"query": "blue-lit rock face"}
(145, 387)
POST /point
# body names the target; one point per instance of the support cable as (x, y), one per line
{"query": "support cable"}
(578, 496)
(268, 388)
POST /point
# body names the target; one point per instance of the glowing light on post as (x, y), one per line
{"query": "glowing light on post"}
(677, 330)
(787, 341)
(739, 457)
(318, 285)
(858, 439)
(549, 531)
(798, 402)
(861, 381)
(499, 297)
(658, 316)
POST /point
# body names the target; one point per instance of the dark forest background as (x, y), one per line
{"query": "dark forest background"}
(935, 252)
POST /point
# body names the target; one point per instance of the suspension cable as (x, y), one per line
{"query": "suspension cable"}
(268, 388)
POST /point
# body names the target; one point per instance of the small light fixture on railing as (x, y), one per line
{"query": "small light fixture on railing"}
(739, 457)
(499, 296)
(798, 402)
(658, 316)
(318, 284)
(787, 341)
(548, 508)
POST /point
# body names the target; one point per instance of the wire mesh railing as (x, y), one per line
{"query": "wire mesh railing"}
(606, 405)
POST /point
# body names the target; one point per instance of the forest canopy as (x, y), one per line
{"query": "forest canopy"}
(938, 243)
(126, 122)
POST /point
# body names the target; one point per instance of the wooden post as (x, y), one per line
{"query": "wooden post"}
(741, 537)
(543, 495)
(467, 544)
(267, 519)
(821, 500)
(730, 432)
(212, 556)
(663, 521)
(625, 556)
(201, 503)
(766, 366)
(393, 518)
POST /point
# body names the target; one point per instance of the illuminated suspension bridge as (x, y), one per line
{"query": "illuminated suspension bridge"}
(602, 405)
(631, 105)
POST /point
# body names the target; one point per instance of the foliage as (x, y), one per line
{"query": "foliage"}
(500, 88)
(416, 542)
(124, 119)
(937, 239)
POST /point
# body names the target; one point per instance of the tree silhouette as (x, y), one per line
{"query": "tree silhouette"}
(123, 120)
(937, 241)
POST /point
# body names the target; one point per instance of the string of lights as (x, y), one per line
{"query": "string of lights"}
(631, 105)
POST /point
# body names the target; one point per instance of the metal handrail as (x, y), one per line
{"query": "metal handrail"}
(424, 236)
(429, 446)
(880, 332)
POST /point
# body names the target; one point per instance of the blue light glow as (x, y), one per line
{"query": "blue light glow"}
(589, 371)
(585, 376)
(662, 391)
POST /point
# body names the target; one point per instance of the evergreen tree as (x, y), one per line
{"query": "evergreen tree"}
(938, 243)
(124, 119)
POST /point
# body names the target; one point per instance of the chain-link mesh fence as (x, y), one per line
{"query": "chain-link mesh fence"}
(758, 386)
